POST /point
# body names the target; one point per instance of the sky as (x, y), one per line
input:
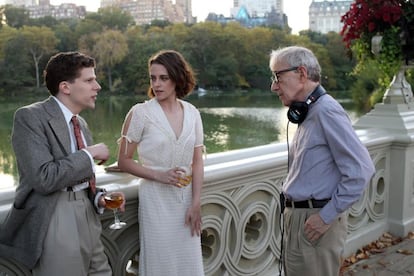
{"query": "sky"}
(296, 10)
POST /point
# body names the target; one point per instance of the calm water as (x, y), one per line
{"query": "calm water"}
(230, 122)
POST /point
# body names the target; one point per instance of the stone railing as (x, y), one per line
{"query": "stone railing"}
(240, 209)
(240, 201)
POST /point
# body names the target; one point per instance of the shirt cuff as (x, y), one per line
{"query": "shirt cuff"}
(99, 209)
(91, 159)
(328, 213)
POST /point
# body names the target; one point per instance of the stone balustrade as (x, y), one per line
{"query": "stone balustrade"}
(241, 210)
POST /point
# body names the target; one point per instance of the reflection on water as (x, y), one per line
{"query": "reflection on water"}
(230, 122)
(228, 128)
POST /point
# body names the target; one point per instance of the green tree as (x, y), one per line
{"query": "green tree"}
(254, 63)
(39, 41)
(14, 67)
(16, 17)
(341, 64)
(110, 48)
(112, 18)
(135, 70)
(6, 33)
(159, 23)
(65, 33)
(208, 48)
(47, 21)
(224, 56)
(86, 28)
(365, 86)
(316, 37)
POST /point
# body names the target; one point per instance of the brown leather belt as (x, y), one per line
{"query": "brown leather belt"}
(310, 203)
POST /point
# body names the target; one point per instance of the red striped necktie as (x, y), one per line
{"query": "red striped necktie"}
(81, 145)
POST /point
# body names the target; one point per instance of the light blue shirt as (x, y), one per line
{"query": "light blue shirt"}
(327, 160)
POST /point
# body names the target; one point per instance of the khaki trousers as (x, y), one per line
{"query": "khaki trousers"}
(320, 258)
(72, 245)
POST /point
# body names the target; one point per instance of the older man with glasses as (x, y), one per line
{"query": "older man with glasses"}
(328, 167)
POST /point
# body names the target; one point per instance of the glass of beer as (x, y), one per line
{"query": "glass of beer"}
(185, 176)
(113, 201)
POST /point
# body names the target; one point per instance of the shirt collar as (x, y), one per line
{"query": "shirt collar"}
(66, 112)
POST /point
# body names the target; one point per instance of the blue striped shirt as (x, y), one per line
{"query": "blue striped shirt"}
(327, 160)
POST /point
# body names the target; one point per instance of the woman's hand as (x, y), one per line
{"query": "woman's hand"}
(193, 219)
(170, 177)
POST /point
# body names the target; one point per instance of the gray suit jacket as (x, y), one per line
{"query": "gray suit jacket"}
(41, 142)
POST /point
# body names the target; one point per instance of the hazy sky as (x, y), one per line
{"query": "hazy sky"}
(296, 10)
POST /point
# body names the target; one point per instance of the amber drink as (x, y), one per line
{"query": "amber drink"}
(114, 201)
(186, 176)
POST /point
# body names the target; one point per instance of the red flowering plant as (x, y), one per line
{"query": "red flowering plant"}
(392, 20)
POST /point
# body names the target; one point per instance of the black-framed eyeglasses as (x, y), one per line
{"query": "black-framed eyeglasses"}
(276, 74)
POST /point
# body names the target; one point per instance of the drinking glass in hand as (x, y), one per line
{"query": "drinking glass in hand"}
(185, 177)
(114, 201)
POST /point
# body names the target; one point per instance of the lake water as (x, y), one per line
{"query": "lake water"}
(230, 122)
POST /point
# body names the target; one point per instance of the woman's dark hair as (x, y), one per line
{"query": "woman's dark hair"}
(179, 71)
(65, 66)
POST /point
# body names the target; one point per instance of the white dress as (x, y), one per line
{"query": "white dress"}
(166, 245)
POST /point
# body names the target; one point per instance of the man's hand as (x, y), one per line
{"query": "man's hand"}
(315, 227)
(99, 152)
(102, 202)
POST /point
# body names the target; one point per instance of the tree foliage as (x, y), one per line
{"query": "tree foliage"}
(223, 56)
(16, 17)
(38, 42)
(109, 49)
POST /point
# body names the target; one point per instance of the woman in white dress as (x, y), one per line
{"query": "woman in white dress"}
(167, 134)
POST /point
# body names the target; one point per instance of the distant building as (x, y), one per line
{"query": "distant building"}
(21, 3)
(257, 8)
(253, 13)
(145, 11)
(59, 12)
(44, 8)
(325, 16)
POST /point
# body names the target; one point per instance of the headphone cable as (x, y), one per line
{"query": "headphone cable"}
(282, 208)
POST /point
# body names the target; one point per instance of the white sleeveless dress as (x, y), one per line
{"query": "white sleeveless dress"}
(166, 245)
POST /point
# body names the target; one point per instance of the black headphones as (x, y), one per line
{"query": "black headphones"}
(298, 110)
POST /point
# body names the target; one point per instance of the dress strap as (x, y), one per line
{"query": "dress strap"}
(126, 144)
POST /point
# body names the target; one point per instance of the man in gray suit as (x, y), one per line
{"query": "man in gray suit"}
(53, 226)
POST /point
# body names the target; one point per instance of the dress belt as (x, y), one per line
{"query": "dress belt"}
(310, 203)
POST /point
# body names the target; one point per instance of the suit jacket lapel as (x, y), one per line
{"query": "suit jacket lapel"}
(58, 124)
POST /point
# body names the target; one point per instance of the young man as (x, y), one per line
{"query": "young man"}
(53, 227)
(329, 167)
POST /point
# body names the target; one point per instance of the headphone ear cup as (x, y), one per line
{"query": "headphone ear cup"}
(297, 112)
